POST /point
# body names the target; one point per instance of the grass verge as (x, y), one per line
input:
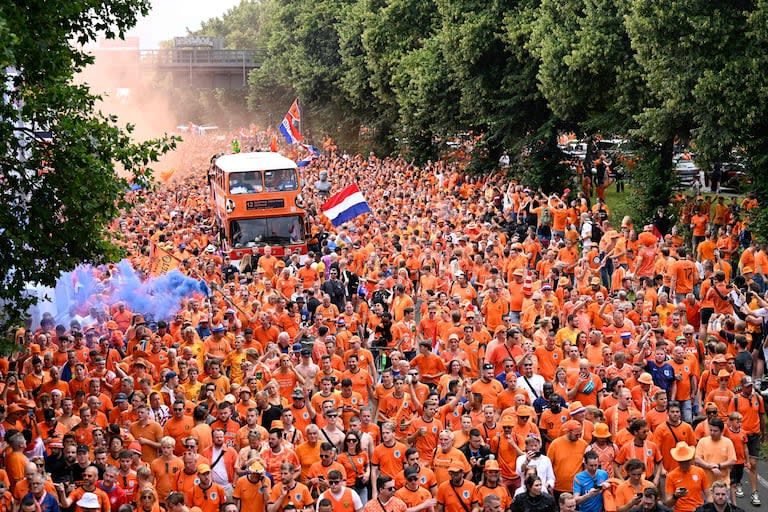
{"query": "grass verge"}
(618, 203)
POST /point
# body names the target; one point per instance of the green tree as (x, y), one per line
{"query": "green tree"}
(393, 29)
(686, 50)
(587, 71)
(58, 198)
(303, 60)
(494, 76)
(241, 27)
(426, 102)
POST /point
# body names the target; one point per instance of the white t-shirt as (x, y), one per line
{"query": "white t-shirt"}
(219, 471)
(543, 466)
(537, 385)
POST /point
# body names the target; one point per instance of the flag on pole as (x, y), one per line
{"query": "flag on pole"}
(345, 205)
(291, 125)
(313, 153)
(162, 262)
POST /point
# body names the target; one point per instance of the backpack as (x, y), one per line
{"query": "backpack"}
(546, 216)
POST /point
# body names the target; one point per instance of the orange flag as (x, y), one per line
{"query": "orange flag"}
(162, 262)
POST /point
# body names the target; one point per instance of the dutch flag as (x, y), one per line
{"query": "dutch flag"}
(346, 205)
(291, 125)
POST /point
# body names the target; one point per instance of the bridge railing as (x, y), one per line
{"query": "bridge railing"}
(180, 57)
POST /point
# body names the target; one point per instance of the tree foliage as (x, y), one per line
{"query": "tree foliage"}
(414, 73)
(59, 196)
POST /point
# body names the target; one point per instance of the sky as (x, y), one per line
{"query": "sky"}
(170, 18)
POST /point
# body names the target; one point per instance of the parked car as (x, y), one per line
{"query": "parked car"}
(687, 172)
(576, 150)
(735, 178)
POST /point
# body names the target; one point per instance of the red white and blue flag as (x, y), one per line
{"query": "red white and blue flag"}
(313, 153)
(346, 205)
(291, 125)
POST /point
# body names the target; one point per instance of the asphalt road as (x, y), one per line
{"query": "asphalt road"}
(762, 474)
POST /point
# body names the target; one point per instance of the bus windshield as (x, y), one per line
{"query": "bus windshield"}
(281, 180)
(266, 230)
(245, 183)
(250, 182)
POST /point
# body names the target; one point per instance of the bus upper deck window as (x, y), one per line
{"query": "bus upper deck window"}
(280, 180)
(245, 182)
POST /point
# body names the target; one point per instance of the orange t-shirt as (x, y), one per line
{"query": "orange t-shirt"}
(626, 492)
(751, 409)
(648, 453)
(299, 495)
(443, 460)
(739, 440)
(455, 498)
(699, 224)
(253, 496)
(694, 480)
(429, 364)
(209, 500)
(165, 474)
(272, 461)
(389, 459)
(566, 457)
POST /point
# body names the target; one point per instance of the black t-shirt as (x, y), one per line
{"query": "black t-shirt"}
(381, 297)
(383, 334)
(227, 271)
(743, 362)
(312, 305)
(272, 414)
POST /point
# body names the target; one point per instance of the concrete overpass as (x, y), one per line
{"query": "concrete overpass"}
(198, 68)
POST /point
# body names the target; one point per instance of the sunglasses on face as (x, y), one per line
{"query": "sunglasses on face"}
(413, 478)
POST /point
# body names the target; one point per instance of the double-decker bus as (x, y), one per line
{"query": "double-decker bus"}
(257, 201)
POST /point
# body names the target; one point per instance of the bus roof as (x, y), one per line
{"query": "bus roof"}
(259, 161)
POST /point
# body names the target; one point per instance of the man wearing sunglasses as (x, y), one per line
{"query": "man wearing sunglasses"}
(412, 493)
(340, 496)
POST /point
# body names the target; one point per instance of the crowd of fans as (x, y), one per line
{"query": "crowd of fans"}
(470, 345)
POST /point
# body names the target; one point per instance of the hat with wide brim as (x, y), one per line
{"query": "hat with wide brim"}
(645, 378)
(601, 431)
(575, 408)
(89, 500)
(507, 421)
(683, 452)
